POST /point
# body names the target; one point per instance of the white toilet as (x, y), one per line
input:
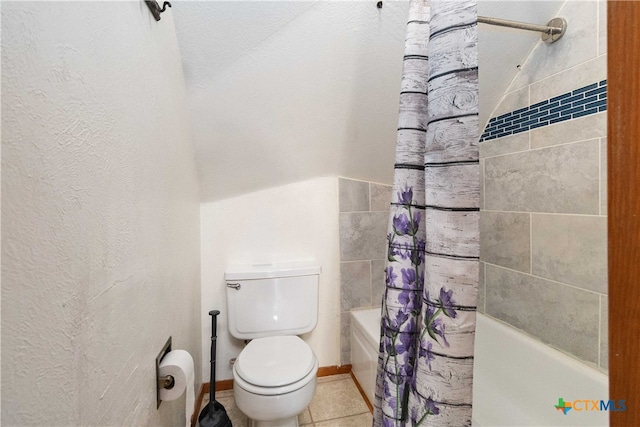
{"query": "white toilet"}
(275, 374)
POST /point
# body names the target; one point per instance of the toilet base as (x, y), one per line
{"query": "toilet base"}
(275, 410)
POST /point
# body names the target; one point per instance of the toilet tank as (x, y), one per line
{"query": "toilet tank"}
(275, 299)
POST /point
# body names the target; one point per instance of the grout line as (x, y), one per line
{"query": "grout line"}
(598, 45)
(598, 37)
(542, 213)
(599, 330)
(530, 132)
(600, 176)
(311, 415)
(542, 148)
(543, 278)
(370, 283)
(341, 418)
(484, 280)
(567, 69)
(531, 243)
(484, 183)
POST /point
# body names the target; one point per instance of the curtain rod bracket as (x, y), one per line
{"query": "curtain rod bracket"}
(552, 32)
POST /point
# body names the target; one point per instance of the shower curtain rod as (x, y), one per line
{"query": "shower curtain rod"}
(551, 32)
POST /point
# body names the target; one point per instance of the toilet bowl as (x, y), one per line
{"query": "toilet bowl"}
(275, 374)
(275, 380)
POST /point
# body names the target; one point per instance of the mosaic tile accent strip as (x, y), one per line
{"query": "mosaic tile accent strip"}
(586, 100)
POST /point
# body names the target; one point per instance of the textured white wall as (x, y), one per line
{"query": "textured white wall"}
(100, 213)
(294, 222)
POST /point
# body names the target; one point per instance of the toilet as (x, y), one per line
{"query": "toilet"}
(275, 374)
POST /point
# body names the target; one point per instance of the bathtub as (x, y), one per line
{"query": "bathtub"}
(365, 340)
(517, 380)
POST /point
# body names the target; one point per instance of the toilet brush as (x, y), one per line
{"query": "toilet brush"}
(214, 414)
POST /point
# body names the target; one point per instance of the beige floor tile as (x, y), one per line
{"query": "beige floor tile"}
(336, 399)
(337, 402)
(225, 398)
(304, 417)
(224, 393)
(361, 420)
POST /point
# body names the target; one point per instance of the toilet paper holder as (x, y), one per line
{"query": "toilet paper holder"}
(166, 381)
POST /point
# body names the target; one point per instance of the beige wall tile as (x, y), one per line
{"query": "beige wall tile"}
(481, 290)
(380, 197)
(504, 145)
(481, 184)
(602, 27)
(581, 75)
(377, 282)
(571, 249)
(604, 332)
(555, 179)
(603, 176)
(345, 338)
(504, 239)
(582, 129)
(363, 235)
(559, 315)
(353, 195)
(355, 285)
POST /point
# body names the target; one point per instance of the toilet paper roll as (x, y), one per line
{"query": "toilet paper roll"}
(179, 364)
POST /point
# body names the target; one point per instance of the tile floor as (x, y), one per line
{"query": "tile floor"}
(337, 403)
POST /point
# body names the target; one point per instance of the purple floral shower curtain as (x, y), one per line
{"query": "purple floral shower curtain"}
(425, 367)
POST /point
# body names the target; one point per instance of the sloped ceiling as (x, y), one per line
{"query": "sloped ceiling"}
(283, 91)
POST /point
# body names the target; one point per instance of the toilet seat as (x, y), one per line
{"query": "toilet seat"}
(275, 365)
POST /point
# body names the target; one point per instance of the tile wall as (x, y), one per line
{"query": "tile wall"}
(543, 219)
(364, 215)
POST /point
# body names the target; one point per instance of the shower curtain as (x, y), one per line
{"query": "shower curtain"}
(425, 367)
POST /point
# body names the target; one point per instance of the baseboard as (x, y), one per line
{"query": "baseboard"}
(323, 371)
(364, 395)
(326, 371)
(220, 386)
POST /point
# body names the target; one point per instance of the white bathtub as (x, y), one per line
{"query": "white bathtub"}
(365, 340)
(517, 380)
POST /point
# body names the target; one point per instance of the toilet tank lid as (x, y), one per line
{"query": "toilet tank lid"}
(270, 271)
